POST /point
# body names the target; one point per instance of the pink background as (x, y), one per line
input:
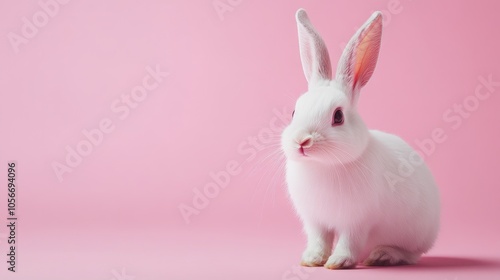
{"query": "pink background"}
(227, 76)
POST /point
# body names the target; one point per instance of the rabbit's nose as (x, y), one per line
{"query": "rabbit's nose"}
(306, 142)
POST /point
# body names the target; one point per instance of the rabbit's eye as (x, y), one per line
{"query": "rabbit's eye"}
(293, 113)
(338, 117)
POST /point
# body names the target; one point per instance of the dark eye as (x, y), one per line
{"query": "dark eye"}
(293, 113)
(338, 117)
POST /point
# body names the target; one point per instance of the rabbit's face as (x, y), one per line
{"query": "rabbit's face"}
(325, 127)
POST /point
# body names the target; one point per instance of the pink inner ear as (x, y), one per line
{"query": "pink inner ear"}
(366, 53)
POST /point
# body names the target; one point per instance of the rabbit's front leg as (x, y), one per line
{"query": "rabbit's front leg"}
(319, 245)
(348, 249)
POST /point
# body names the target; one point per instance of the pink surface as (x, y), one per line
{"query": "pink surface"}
(232, 71)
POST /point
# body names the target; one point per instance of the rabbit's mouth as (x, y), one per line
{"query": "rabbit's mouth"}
(302, 152)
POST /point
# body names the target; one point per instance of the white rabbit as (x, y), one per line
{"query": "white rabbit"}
(339, 173)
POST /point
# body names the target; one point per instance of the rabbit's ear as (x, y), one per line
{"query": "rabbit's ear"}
(359, 58)
(313, 51)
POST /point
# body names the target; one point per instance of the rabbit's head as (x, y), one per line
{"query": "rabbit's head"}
(326, 126)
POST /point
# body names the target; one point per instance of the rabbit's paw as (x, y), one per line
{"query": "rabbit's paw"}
(385, 255)
(340, 262)
(314, 257)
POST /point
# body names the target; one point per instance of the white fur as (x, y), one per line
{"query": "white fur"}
(339, 186)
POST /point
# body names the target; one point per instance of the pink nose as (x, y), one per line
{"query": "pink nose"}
(306, 142)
